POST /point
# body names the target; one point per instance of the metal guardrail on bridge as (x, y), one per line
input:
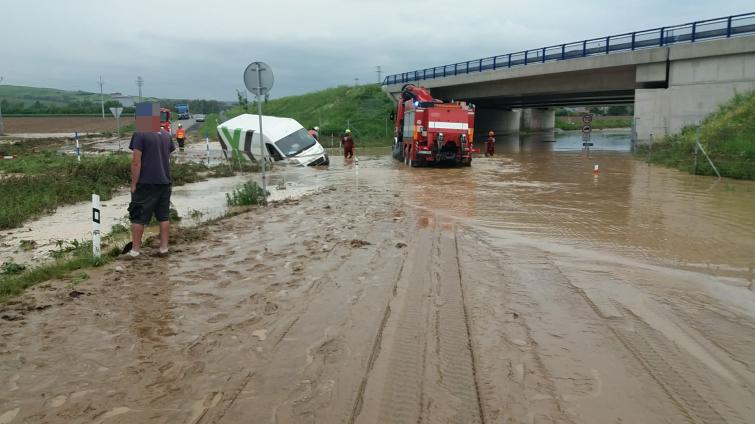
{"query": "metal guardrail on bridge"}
(726, 27)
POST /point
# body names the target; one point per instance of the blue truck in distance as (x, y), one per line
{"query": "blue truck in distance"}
(182, 111)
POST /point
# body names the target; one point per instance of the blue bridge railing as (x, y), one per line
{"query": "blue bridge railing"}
(727, 27)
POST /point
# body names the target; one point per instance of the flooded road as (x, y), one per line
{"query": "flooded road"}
(522, 289)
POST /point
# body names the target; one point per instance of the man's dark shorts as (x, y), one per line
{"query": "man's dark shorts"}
(149, 199)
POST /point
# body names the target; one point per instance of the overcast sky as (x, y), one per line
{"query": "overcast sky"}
(200, 49)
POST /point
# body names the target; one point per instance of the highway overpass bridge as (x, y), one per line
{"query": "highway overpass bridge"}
(674, 76)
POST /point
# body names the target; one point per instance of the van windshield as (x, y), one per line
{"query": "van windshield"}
(295, 143)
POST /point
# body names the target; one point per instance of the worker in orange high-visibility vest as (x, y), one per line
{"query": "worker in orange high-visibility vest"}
(181, 137)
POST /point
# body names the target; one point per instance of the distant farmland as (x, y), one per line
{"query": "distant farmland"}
(62, 124)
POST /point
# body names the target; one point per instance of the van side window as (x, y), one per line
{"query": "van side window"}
(273, 152)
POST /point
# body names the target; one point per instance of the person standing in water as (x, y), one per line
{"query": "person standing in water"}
(348, 145)
(490, 144)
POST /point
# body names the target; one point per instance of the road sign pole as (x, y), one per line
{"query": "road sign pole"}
(262, 141)
(258, 78)
(78, 147)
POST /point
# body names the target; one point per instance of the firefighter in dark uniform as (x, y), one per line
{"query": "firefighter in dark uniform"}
(348, 145)
(490, 144)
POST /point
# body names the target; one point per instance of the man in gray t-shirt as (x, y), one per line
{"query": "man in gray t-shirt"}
(150, 186)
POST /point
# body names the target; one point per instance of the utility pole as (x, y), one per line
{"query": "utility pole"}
(102, 99)
(379, 72)
(2, 129)
(140, 83)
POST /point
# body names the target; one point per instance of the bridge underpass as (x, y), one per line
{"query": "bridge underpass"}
(674, 76)
(510, 114)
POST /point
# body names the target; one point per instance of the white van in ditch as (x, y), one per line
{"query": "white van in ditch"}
(285, 140)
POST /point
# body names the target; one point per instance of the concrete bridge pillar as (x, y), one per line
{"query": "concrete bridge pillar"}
(538, 119)
(500, 121)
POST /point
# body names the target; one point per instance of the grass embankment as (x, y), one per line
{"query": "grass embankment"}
(37, 183)
(727, 135)
(596, 124)
(363, 109)
(74, 256)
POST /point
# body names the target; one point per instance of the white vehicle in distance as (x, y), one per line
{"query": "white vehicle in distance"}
(286, 140)
(199, 117)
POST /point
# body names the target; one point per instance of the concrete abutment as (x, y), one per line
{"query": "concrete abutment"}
(500, 121)
(538, 119)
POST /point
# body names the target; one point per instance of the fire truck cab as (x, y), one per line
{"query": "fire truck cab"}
(430, 132)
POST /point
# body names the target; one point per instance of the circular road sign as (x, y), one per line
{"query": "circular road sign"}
(586, 129)
(258, 78)
(587, 118)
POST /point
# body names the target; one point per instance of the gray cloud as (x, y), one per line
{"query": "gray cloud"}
(199, 49)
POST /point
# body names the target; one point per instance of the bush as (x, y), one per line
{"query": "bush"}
(248, 193)
(11, 267)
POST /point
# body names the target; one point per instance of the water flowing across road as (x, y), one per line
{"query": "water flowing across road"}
(524, 288)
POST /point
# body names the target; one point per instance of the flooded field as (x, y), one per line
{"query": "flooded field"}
(523, 289)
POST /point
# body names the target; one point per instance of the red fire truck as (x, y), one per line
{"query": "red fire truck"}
(165, 115)
(429, 131)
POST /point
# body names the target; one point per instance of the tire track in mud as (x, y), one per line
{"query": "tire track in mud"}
(675, 371)
(402, 393)
(375, 351)
(458, 372)
(425, 371)
(669, 367)
(514, 384)
(313, 382)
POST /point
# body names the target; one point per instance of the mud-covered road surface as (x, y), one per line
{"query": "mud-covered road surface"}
(521, 290)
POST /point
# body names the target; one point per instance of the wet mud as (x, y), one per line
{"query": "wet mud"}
(524, 289)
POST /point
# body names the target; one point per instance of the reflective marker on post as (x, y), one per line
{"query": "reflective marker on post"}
(96, 225)
(78, 148)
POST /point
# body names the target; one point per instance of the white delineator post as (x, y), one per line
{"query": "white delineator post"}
(96, 226)
(207, 147)
(78, 147)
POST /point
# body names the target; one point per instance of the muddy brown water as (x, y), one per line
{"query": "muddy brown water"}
(522, 289)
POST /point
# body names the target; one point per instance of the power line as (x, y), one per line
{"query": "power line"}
(102, 99)
(140, 83)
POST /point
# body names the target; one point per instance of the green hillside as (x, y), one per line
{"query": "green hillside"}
(29, 95)
(364, 109)
(20, 100)
(34, 100)
(727, 135)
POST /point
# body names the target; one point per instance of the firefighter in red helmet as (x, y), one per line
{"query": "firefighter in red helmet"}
(490, 144)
